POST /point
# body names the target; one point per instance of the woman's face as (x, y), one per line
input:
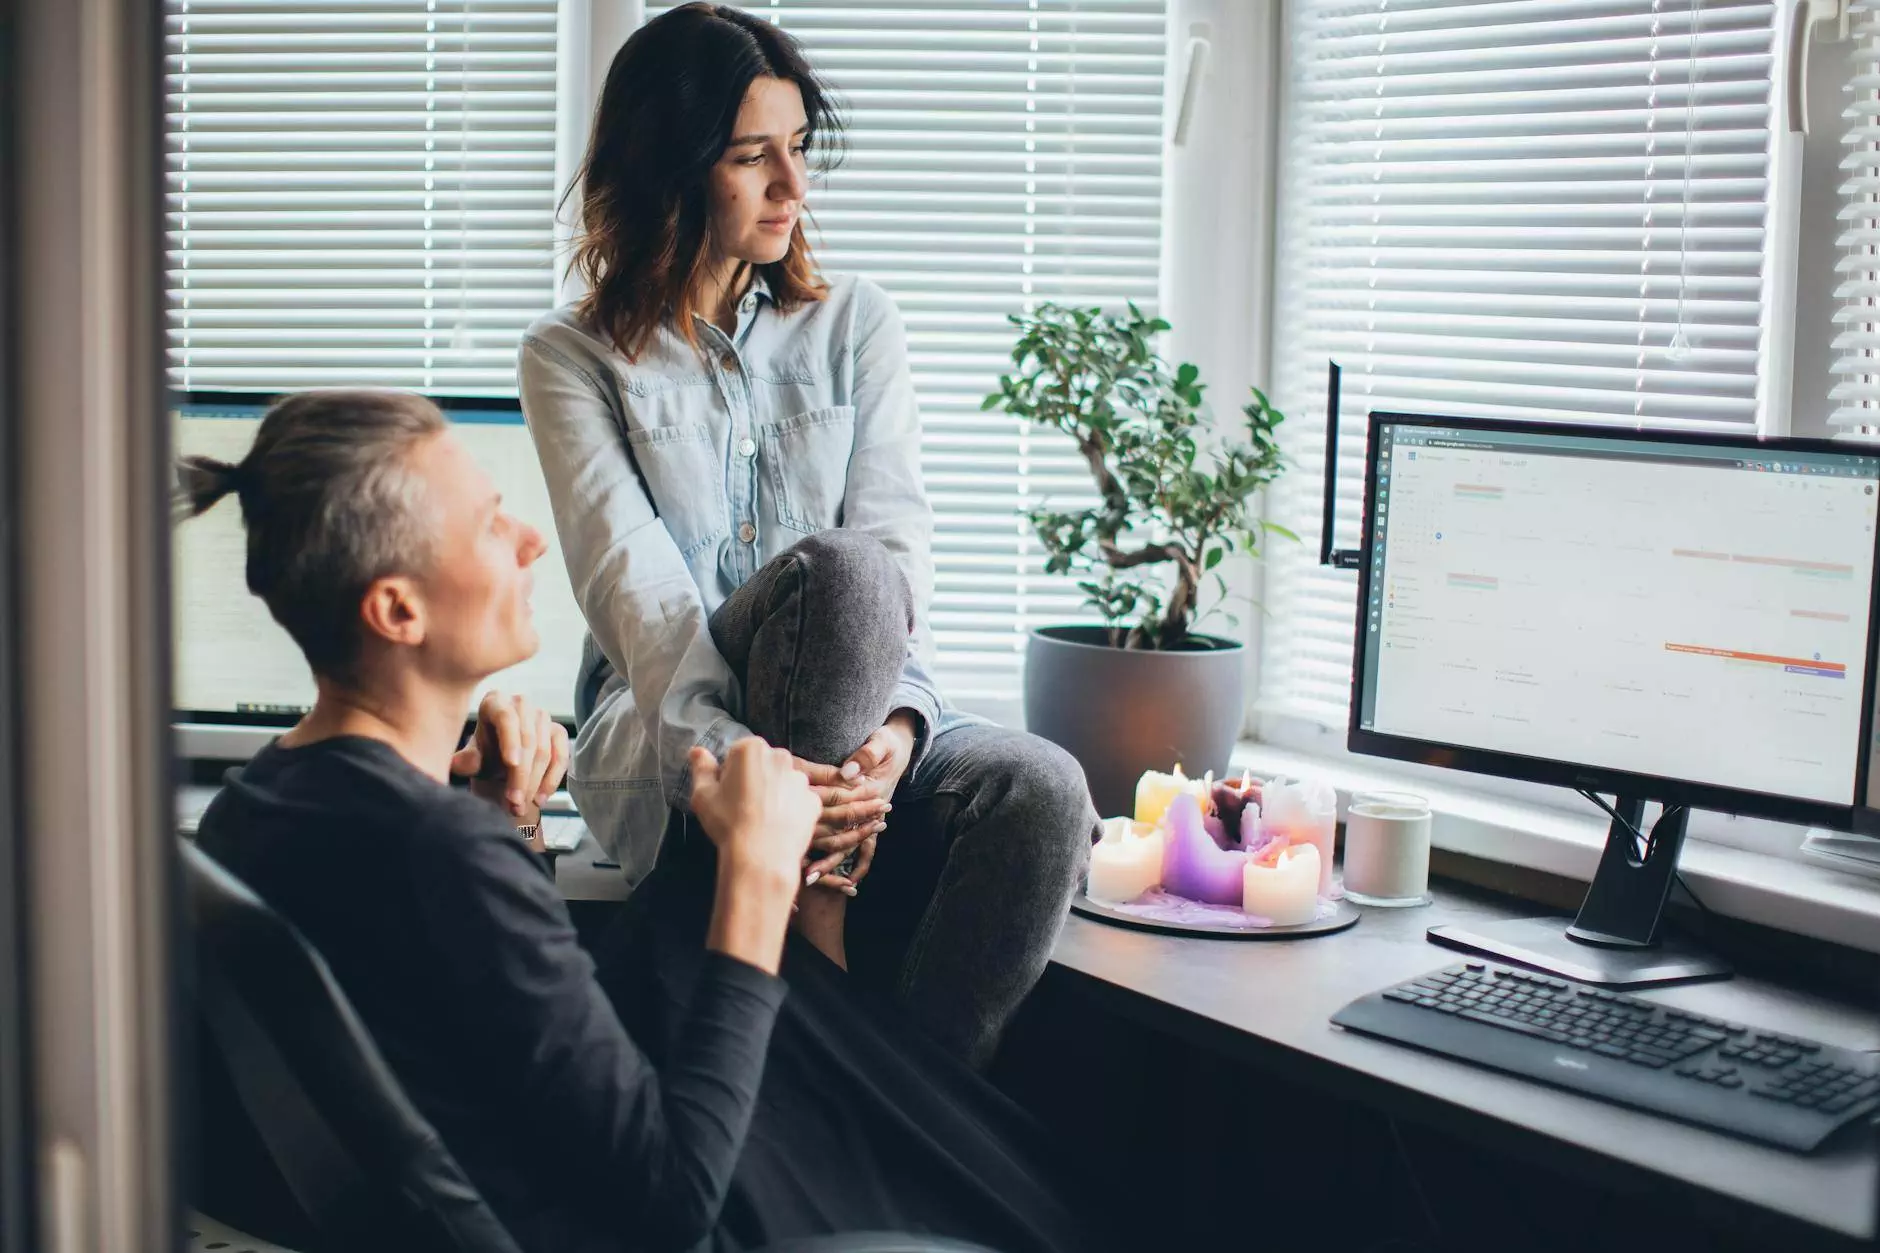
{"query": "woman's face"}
(756, 190)
(475, 599)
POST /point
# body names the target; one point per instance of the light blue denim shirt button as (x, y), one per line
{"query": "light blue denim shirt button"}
(747, 447)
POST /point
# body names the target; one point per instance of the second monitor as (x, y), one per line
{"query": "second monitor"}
(1678, 618)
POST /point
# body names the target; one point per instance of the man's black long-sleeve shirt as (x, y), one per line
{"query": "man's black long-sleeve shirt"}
(457, 951)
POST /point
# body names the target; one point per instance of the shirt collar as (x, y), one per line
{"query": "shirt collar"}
(759, 288)
(758, 293)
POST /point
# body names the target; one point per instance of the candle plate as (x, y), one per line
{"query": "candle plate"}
(1340, 916)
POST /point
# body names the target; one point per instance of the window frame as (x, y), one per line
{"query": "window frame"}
(1776, 392)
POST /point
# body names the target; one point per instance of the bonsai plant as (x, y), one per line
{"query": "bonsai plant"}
(1172, 500)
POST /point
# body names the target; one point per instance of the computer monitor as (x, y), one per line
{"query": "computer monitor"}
(238, 678)
(1681, 618)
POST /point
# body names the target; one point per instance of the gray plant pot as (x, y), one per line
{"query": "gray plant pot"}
(1120, 711)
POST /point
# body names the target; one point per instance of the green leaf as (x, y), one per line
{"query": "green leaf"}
(1213, 558)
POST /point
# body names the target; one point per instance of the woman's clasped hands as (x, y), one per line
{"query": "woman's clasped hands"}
(856, 797)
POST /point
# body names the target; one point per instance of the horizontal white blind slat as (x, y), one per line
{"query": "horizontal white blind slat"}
(998, 155)
(1536, 209)
(357, 193)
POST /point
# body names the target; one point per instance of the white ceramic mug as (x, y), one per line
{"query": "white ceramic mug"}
(1387, 850)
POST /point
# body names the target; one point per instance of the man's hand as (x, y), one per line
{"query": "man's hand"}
(755, 807)
(758, 811)
(516, 757)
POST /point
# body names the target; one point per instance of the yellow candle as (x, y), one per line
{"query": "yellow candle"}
(1156, 791)
(1287, 892)
(1126, 862)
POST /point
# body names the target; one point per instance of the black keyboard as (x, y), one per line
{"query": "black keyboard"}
(1760, 1085)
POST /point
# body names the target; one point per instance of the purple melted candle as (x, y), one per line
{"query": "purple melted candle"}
(1195, 866)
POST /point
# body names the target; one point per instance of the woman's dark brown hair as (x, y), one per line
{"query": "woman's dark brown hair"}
(331, 504)
(665, 117)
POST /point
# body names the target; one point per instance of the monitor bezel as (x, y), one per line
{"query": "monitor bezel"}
(227, 735)
(1594, 778)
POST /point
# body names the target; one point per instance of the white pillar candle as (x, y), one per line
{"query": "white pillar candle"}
(1287, 892)
(1126, 862)
(1305, 813)
(1156, 791)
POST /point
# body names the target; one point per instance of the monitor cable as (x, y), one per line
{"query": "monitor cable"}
(1641, 842)
(1644, 844)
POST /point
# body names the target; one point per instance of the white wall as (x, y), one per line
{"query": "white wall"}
(1218, 227)
(589, 33)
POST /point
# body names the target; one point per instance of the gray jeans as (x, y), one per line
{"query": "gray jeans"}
(991, 828)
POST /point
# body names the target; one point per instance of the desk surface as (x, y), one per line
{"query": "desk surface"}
(1271, 1002)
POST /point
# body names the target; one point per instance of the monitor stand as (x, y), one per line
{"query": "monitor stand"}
(1616, 941)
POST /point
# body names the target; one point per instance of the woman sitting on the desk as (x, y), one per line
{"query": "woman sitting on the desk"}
(732, 448)
(384, 550)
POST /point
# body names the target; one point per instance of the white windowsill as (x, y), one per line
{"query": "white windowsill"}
(1769, 890)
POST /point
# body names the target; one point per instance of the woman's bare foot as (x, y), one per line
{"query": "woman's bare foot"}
(819, 918)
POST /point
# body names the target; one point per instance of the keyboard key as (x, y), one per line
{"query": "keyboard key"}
(1542, 1033)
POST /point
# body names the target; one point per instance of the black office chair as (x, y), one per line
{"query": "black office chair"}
(349, 1162)
(362, 1166)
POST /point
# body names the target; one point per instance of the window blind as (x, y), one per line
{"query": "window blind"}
(1856, 367)
(1000, 153)
(358, 193)
(1545, 209)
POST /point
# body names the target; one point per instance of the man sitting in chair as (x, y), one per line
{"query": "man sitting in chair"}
(737, 1118)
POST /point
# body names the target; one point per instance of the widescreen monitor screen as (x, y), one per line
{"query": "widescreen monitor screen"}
(1563, 604)
(234, 662)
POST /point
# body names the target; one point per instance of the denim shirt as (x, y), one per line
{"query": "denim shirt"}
(675, 476)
